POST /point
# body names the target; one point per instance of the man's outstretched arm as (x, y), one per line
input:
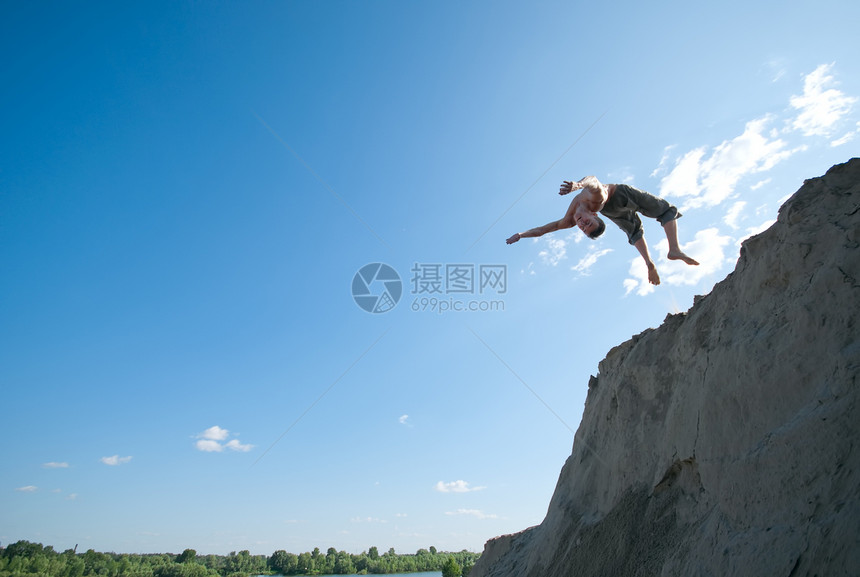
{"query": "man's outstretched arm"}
(539, 231)
(569, 186)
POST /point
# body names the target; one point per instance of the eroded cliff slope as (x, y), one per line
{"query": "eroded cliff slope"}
(725, 442)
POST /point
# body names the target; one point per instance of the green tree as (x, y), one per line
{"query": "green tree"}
(187, 556)
(343, 564)
(306, 564)
(451, 568)
(283, 563)
(373, 553)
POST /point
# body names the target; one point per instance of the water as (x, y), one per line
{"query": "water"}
(425, 574)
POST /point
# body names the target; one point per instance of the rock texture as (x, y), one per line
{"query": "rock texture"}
(725, 442)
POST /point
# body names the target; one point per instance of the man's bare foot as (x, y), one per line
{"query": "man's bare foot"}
(653, 277)
(678, 255)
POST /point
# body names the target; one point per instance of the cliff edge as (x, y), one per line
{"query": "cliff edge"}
(725, 442)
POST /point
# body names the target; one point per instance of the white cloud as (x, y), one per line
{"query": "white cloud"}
(752, 231)
(661, 168)
(215, 433)
(473, 513)
(115, 460)
(555, 252)
(402, 420)
(208, 446)
(28, 489)
(707, 248)
(54, 465)
(584, 265)
(709, 180)
(71, 496)
(211, 441)
(638, 280)
(821, 106)
(367, 520)
(235, 445)
(845, 139)
(760, 184)
(704, 178)
(734, 214)
(456, 487)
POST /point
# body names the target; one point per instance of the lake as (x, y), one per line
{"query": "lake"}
(424, 574)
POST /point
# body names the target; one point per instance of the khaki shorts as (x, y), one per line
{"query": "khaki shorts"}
(624, 204)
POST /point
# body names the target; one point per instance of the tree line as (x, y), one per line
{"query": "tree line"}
(26, 559)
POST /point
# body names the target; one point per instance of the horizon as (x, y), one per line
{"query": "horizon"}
(194, 352)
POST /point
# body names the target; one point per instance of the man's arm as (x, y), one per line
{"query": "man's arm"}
(569, 186)
(642, 247)
(540, 230)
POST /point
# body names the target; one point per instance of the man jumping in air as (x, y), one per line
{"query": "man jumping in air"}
(620, 204)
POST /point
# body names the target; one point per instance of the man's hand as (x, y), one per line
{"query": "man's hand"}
(514, 239)
(568, 186)
(653, 277)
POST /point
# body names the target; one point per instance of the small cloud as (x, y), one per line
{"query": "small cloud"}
(846, 138)
(402, 420)
(775, 68)
(752, 231)
(208, 446)
(27, 489)
(555, 252)
(54, 465)
(71, 497)
(584, 265)
(235, 445)
(456, 487)
(760, 184)
(215, 433)
(211, 441)
(400, 515)
(638, 280)
(367, 520)
(821, 106)
(661, 167)
(473, 513)
(115, 460)
(734, 214)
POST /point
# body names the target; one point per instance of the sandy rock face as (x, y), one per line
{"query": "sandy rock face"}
(727, 441)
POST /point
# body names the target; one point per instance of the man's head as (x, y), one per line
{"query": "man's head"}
(601, 226)
(590, 224)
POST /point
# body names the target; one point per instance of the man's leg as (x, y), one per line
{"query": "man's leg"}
(675, 252)
(640, 245)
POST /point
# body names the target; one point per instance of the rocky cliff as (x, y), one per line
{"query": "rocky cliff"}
(727, 441)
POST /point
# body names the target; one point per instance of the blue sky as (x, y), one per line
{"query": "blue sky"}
(188, 189)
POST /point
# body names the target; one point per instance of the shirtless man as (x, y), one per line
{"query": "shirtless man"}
(620, 203)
